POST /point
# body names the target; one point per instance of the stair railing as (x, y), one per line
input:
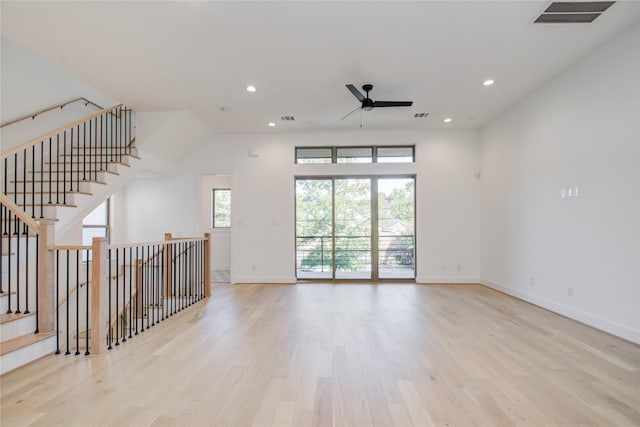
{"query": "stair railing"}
(49, 169)
(108, 294)
(23, 244)
(60, 106)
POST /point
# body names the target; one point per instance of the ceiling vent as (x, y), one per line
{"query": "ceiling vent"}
(287, 118)
(420, 115)
(573, 12)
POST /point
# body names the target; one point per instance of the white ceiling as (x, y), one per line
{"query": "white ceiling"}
(199, 56)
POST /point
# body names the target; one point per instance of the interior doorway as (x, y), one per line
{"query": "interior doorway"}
(217, 213)
(355, 227)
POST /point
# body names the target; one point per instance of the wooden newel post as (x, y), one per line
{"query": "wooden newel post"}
(168, 265)
(98, 336)
(207, 265)
(46, 283)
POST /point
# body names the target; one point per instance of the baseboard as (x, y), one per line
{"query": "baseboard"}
(447, 280)
(263, 279)
(582, 317)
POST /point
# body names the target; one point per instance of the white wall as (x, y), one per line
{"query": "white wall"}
(577, 256)
(262, 243)
(28, 84)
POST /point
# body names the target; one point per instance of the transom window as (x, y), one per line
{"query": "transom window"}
(359, 154)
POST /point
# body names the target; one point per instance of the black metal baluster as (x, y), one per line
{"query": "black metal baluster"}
(57, 171)
(37, 281)
(9, 237)
(84, 151)
(15, 178)
(173, 277)
(24, 180)
(42, 177)
(64, 169)
(117, 329)
(26, 270)
(109, 336)
(88, 256)
(71, 163)
(57, 302)
(83, 156)
(163, 284)
(111, 136)
(78, 302)
(17, 266)
(142, 288)
(33, 181)
(154, 291)
(138, 294)
(67, 304)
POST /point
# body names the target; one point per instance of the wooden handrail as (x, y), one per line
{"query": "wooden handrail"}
(17, 210)
(56, 132)
(54, 107)
(162, 242)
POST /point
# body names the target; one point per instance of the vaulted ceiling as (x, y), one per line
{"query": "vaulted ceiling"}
(199, 56)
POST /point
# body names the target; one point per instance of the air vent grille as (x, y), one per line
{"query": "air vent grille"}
(287, 118)
(420, 115)
(573, 12)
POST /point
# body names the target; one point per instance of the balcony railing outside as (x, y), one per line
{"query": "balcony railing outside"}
(314, 256)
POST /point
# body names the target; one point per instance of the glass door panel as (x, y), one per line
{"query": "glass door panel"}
(352, 228)
(396, 228)
(314, 230)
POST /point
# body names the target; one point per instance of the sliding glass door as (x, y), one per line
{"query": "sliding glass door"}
(355, 228)
(396, 228)
(352, 228)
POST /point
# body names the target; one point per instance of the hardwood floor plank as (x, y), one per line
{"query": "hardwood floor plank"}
(341, 355)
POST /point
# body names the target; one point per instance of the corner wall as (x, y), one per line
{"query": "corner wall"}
(578, 256)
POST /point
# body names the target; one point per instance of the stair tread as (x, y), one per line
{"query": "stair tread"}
(53, 193)
(45, 204)
(29, 181)
(74, 171)
(10, 317)
(23, 341)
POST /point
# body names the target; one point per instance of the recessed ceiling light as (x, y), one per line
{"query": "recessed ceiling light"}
(448, 120)
(251, 88)
(271, 124)
(488, 82)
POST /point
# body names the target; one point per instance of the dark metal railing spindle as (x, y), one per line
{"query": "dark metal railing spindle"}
(67, 304)
(87, 268)
(78, 302)
(57, 302)
(109, 336)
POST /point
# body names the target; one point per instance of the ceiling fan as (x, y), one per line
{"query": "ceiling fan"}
(368, 104)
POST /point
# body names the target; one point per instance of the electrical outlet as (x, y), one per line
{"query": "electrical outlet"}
(570, 292)
(532, 281)
(444, 267)
(459, 267)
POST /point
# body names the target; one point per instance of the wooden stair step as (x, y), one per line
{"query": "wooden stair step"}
(10, 317)
(20, 181)
(74, 171)
(23, 341)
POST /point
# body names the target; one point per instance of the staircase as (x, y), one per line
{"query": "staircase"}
(54, 179)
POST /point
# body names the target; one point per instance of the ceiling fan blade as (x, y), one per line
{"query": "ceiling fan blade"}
(356, 92)
(393, 103)
(352, 111)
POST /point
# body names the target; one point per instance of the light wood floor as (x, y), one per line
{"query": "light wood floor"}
(343, 355)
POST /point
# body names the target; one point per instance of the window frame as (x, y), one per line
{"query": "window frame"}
(106, 227)
(334, 153)
(213, 208)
